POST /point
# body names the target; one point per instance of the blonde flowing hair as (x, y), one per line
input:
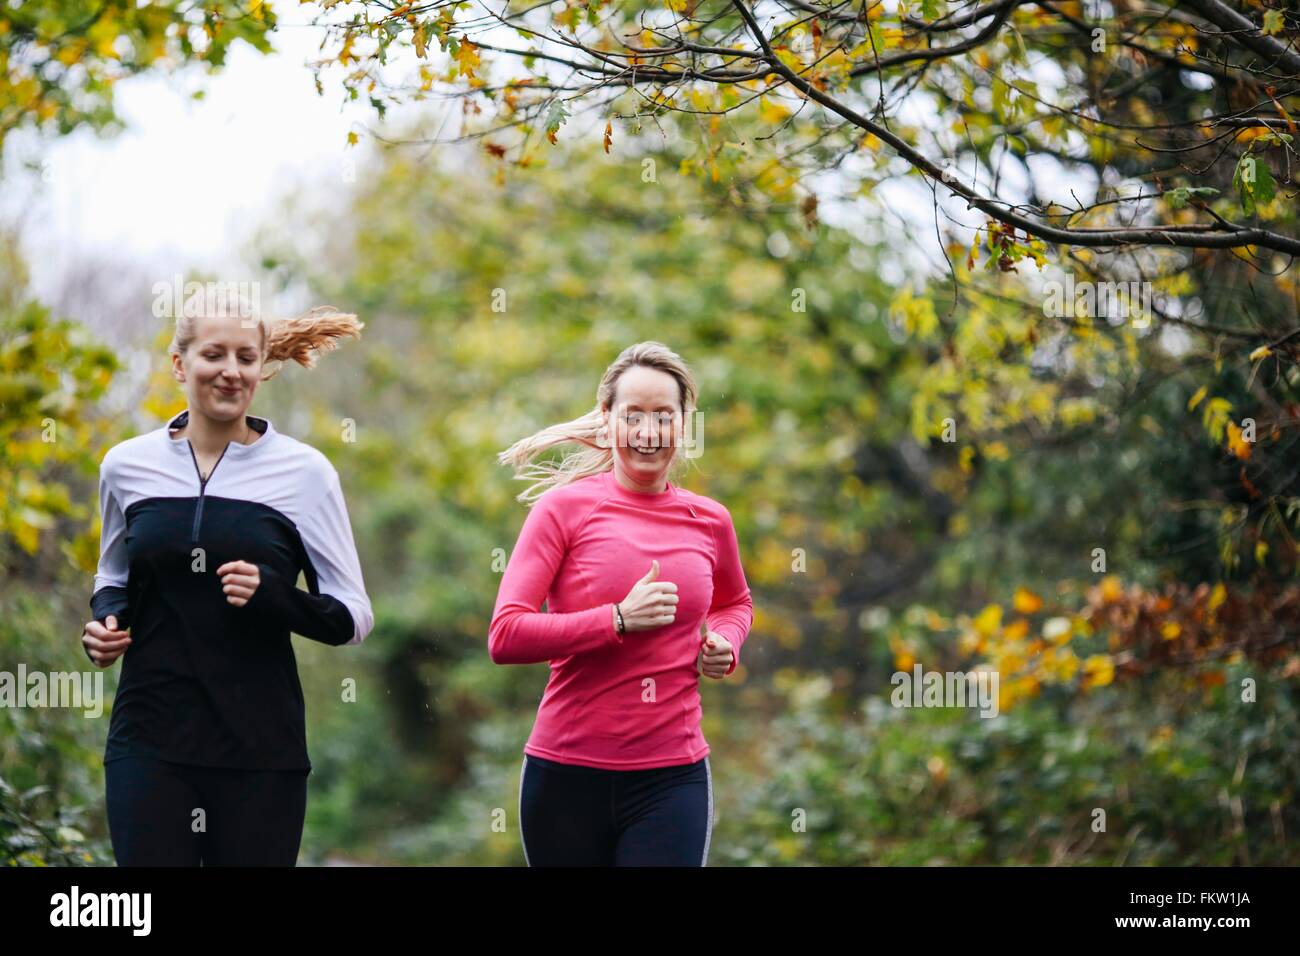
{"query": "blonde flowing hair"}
(299, 338)
(595, 457)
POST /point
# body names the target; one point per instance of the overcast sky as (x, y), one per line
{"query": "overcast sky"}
(187, 181)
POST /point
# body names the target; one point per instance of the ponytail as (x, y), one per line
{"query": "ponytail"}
(598, 454)
(302, 337)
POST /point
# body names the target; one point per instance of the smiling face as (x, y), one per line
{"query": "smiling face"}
(644, 423)
(222, 367)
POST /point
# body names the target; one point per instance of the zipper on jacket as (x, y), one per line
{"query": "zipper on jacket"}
(203, 484)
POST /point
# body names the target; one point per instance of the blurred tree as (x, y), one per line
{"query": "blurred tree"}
(52, 376)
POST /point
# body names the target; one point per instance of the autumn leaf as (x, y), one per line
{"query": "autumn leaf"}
(1098, 671)
(1246, 483)
(1236, 444)
(770, 111)
(345, 53)
(989, 620)
(555, 119)
(1026, 601)
(904, 657)
(1211, 679)
(1111, 589)
(467, 57)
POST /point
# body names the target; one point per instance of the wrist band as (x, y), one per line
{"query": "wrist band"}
(619, 614)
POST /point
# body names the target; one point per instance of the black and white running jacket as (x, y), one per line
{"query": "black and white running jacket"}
(203, 681)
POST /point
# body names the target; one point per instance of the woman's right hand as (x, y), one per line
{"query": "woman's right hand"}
(650, 603)
(104, 644)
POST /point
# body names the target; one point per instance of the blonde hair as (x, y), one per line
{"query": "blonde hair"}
(595, 457)
(299, 338)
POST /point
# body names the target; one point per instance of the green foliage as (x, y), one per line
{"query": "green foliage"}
(52, 436)
(51, 375)
(1184, 779)
(51, 781)
(1254, 183)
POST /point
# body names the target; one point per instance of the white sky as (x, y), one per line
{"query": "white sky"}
(186, 183)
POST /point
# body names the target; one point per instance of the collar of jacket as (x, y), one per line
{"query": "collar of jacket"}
(235, 448)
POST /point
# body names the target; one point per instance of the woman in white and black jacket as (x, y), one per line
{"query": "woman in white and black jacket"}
(207, 522)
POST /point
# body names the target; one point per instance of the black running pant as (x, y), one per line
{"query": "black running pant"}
(170, 814)
(586, 816)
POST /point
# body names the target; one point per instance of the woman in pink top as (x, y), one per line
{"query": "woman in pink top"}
(644, 592)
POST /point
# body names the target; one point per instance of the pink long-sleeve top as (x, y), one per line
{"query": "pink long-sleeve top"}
(630, 701)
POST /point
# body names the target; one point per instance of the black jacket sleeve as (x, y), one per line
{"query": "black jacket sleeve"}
(321, 617)
(335, 610)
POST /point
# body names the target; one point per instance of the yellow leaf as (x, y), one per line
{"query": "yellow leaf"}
(996, 450)
(1026, 601)
(467, 57)
(964, 460)
(771, 112)
(27, 536)
(345, 54)
(1235, 444)
(989, 620)
(71, 53)
(1017, 630)
(1217, 596)
(1098, 671)
(917, 316)
(1196, 398)
(903, 656)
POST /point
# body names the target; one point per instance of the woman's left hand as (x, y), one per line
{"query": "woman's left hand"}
(715, 655)
(239, 580)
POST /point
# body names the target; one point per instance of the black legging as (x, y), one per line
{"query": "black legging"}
(250, 817)
(585, 816)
